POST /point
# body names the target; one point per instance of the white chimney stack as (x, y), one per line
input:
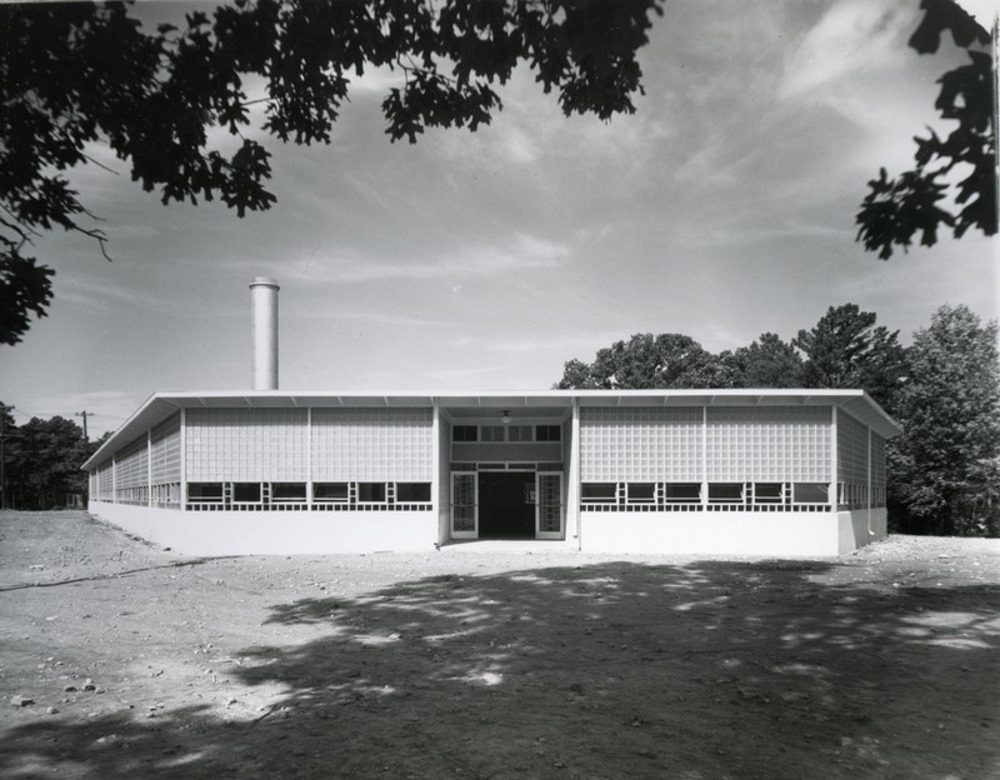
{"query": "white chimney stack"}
(264, 332)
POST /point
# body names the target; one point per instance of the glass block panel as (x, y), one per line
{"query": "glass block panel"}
(383, 445)
(165, 451)
(640, 444)
(768, 444)
(852, 450)
(246, 445)
(132, 466)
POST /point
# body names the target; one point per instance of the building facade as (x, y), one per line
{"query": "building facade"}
(755, 472)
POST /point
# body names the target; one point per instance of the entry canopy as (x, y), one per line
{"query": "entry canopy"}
(160, 406)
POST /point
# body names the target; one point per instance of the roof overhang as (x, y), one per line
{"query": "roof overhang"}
(160, 406)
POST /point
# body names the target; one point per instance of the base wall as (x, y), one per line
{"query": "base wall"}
(275, 533)
(664, 533)
(860, 527)
(712, 533)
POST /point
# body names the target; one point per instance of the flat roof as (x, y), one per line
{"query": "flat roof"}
(160, 406)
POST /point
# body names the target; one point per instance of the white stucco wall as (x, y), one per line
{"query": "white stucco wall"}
(275, 533)
(860, 527)
(712, 533)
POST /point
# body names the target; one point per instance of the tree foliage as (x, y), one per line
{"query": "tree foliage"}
(846, 349)
(767, 362)
(953, 182)
(945, 467)
(645, 361)
(42, 462)
(72, 75)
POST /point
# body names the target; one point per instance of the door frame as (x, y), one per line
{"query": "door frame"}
(539, 533)
(474, 533)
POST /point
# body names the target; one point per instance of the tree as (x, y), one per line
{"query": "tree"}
(647, 361)
(767, 362)
(946, 465)
(44, 467)
(76, 74)
(895, 210)
(845, 349)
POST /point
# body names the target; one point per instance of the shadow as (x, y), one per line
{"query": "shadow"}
(769, 669)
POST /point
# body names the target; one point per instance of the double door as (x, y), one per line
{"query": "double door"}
(506, 505)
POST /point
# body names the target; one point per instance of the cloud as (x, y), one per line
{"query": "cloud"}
(852, 38)
(525, 252)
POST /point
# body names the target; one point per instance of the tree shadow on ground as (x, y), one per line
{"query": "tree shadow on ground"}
(712, 669)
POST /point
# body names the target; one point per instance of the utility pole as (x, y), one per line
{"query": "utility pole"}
(84, 415)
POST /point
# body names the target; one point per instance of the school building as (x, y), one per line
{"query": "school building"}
(729, 472)
(774, 472)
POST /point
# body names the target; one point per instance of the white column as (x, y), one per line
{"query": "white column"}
(704, 457)
(309, 458)
(868, 491)
(436, 492)
(573, 519)
(184, 489)
(149, 467)
(834, 483)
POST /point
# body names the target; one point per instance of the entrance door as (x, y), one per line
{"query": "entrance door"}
(549, 520)
(464, 506)
(507, 505)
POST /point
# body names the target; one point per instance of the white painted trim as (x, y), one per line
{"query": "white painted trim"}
(309, 457)
(573, 474)
(834, 466)
(149, 467)
(868, 490)
(704, 457)
(184, 483)
(436, 460)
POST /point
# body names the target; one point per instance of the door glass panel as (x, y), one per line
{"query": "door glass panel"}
(463, 503)
(550, 503)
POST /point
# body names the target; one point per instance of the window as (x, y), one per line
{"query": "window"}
(810, 493)
(519, 433)
(205, 491)
(464, 433)
(548, 433)
(725, 492)
(598, 492)
(371, 492)
(682, 492)
(288, 491)
(246, 492)
(641, 492)
(330, 491)
(413, 492)
(768, 492)
(491, 433)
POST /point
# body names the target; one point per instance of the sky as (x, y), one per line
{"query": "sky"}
(722, 209)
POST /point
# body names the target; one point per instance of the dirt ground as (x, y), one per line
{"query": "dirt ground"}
(121, 660)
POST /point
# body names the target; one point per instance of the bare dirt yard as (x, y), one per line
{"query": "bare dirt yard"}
(121, 660)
